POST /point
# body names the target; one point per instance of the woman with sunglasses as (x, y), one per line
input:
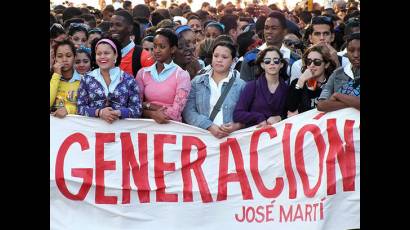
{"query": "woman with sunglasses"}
(263, 100)
(65, 80)
(108, 92)
(305, 91)
(164, 85)
(201, 109)
(78, 34)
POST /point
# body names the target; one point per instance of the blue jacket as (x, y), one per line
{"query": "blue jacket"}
(197, 108)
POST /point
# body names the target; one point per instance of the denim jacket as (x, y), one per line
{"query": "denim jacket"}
(197, 108)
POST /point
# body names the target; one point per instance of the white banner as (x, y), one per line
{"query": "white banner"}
(302, 173)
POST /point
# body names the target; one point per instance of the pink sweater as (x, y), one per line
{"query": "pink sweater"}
(171, 93)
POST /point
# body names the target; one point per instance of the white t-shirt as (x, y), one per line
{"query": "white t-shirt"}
(216, 91)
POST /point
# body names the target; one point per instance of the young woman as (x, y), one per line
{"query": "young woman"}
(148, 44)
(214, 29)
(82, 62)
(185, 54)
(93, 34)
(206, 90)
(164, 86)
(108, 92)
(57, 33)
(305, 91)
(78, 34)
(263, 100)
(65, 80)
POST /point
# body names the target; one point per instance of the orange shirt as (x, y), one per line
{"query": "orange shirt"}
(145, 59)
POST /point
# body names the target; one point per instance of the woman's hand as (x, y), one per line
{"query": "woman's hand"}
(159, 116)
(109, 115)
(332, 52)
(60, 112)
(290, 113)
(231, 127)
(217, 132)
(262, 124)
(273, 119)
(304, 77)
(57, 68)
(52, 59)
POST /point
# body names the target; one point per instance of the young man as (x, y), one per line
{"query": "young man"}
(322, 32)
(274, 33)
(133, 56)
(342, 90)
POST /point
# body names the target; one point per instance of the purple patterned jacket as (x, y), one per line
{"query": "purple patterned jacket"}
(125, 97)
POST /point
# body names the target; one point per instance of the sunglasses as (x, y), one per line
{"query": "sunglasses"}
(316, 62)
(275, 61)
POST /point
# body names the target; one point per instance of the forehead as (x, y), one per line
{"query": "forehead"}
(104, 47)
(194, 21)
(212, 29)
(79, 34)
(94, 35)
(272, 22)
(188, 35)
(118, 19)
(321, 28)
(64, 49)
(81, 56)
(160, 39)
(355, 43)
(147, 43)
(272, 54)
(314, 54)
(222, 49)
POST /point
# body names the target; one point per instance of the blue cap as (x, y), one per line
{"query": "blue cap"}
(181, 29)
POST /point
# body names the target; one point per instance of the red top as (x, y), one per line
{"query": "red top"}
(145, 60)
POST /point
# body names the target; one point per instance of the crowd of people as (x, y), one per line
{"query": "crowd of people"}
(220, 68)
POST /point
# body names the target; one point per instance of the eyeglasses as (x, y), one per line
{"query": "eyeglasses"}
(316, 62)
(275, 61)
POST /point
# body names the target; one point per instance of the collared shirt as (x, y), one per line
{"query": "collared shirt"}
(348, 70)
(339, 78)
(127, 48)
(76, 77)
(165, 73)
(216, 91)
(115, 76)
(342, 53)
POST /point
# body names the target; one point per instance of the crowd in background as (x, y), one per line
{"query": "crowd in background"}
(220, 68)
